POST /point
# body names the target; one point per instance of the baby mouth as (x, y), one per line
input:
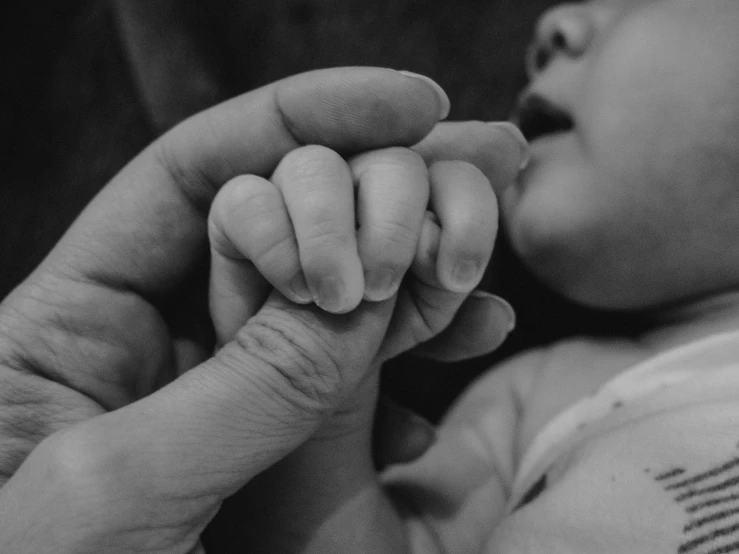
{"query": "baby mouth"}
(538, 117)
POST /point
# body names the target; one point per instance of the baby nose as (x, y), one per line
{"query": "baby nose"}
(565, 30)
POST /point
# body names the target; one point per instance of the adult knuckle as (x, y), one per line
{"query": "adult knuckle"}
(189, 178)
(305, 364)
(395, 232)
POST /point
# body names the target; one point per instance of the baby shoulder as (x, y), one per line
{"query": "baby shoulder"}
(665, 483)
(543, 381)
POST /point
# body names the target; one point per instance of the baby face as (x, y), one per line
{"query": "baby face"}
(632, 196)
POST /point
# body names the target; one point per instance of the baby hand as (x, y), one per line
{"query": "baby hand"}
(416, 213)
(334, 232)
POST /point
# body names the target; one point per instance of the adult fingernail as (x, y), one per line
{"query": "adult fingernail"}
(331, 295)
(465, 275)
(506, 311)
(445, 104)
(299, 289)
(380, 284)
(516, 133)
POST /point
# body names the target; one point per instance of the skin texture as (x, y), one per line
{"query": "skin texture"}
(634, 209)
(85, 455)
(119, 431)
(644, 186)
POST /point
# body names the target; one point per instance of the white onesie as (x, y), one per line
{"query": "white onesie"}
(648, 464)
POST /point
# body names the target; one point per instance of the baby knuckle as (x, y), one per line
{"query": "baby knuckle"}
(309, 160)
(272, 248)
(255, 206)
(325, 232)
(395, 159)
(400, 157)
(242, 199)
(455, 168)
(394, 232)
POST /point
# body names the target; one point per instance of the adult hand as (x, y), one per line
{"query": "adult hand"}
(95, 454)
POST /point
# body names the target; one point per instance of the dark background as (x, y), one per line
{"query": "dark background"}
(88, 84)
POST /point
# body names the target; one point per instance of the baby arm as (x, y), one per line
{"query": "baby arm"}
(457, 492)
(656, 474)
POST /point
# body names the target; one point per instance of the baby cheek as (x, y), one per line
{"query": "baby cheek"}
(553, 218)
(651, 87)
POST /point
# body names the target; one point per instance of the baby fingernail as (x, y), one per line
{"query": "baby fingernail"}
(508, 314)
(331, 295)
(465, 275)
(516, 133)
(299, 289)
(445, 104)
(380, 284)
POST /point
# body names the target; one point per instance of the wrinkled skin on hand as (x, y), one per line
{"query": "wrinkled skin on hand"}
(93, 415)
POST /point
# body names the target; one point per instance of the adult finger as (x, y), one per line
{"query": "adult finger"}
(498, 149)
(183, 449)
(146, 228)
(480, 326)
(392, 196)
(317, 187)
(134, 251)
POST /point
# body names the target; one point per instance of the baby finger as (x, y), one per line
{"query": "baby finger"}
(464, 201)
(392, 196)
(317, 187)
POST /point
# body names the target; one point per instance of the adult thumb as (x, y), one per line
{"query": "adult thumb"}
(162, 466)
(260, 397)
(479, 327)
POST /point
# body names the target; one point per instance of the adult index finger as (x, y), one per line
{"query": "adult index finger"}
(497, 149)
(145, 230)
